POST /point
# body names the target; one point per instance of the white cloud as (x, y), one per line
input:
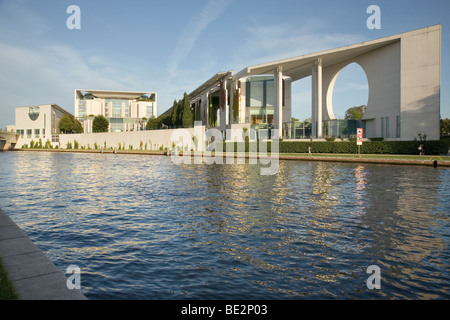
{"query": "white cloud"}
(191, 32)
(267, 42)
(49, 74)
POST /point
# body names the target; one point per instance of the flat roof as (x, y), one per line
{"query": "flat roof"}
(300, 67)
(53, 105)
(110, 94)
(214, 80)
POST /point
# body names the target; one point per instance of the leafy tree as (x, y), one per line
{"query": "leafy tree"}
(152, 124)
(187, 116)
(68, 124)
(355, 113)
(77, 127)
(445, 127)
(65, 125)
(174, 115)
(100, 124)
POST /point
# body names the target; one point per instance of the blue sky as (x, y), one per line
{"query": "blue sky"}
(172, 47)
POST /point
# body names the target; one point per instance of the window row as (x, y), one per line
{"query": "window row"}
(37, 133)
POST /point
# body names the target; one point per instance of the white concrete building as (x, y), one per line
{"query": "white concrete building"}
(38, 124)
(403, 73)
(125, 110)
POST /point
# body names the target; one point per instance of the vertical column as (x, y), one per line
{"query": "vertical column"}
(316, 112)
(313, 101)
(232, 101)
(223, 104)
(204, 109)
(278, 108)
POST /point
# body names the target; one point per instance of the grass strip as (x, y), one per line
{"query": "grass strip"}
(7, 290)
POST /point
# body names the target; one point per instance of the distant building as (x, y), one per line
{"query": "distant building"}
(125, 110)
(38, 123)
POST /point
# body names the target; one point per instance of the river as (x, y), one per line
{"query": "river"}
(143, 227)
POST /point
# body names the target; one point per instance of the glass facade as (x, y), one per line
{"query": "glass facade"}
(82, 108)
(149, 109)
(342, 128)
(124, 113)
(260, 98)
(116, 124)
(297, 130)
(116, 108)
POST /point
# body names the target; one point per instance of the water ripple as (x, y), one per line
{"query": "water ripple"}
(140, 227)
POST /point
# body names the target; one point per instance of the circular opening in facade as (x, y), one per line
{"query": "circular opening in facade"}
(351, 89)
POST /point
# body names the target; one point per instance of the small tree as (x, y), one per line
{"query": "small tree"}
(65, 125)
(187, 117)
(100, 124)
(445, 127)
(174, 114)
(355, 113)
(68, 124)
(152, 124)
(77, 127)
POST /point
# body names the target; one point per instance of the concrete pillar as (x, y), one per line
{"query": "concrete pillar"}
(316, 88)
(278, 108)
(204, 109)
(233, 87)
(223, 105)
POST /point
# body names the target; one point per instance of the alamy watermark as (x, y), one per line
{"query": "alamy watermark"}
(208, 147)
(74, 20)
(374, 281)
(374, 21)
(73, 281)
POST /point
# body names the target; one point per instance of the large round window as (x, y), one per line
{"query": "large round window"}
(33, 113)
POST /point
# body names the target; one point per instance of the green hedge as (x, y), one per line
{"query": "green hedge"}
(372, 147)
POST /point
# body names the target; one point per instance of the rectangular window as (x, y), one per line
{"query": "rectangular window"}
(256, 94)
(127, 109)
(43, 132)
(55, 138)
(383, 127)
(398, 135)
(387, 128)
(117, 109)
(36, 133)
(82, 108)
(116, 125)
(149, 110)
(29, 131)
(270, 93)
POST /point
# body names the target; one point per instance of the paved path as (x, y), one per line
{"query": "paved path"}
(34, 276)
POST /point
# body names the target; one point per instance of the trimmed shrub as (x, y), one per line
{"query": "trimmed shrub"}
(372, 147)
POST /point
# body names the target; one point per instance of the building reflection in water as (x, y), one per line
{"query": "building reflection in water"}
(310, 230)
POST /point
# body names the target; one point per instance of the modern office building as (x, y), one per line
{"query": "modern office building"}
(125, 110)
(251, 101)
(403, 74)
(38, 124)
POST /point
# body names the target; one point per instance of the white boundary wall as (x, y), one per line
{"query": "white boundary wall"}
(154, 139)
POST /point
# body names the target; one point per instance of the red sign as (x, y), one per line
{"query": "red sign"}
(359, 136)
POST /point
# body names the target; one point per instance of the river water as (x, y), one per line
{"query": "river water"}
(142, 227)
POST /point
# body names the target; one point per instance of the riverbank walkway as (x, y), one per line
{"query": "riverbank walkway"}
(435, 161)
(32, 273)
